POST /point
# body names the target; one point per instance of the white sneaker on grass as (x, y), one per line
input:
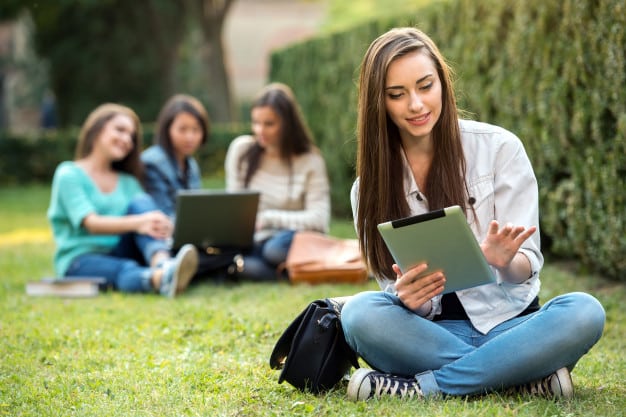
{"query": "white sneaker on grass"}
(556, 385)
(366, 383)
(177, 272)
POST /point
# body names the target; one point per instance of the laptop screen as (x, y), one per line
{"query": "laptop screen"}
(215, 218)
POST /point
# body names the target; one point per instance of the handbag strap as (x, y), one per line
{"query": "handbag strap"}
(337, 304)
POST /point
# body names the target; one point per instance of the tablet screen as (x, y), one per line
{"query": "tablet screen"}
(442, 239)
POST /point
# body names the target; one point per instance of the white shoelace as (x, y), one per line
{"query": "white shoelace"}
(388, 385)
(542, 387)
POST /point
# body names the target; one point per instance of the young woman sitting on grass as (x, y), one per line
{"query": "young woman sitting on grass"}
(280, 161)
(416, 155)
(181, 129)
(103, 223)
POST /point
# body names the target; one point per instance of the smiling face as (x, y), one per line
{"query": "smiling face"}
(266, 127)
(116, 138)
(413, 95)
(186, 135)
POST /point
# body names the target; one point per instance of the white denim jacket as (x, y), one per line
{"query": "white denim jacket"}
(502, 183)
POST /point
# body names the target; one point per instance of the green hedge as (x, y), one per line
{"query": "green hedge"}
(33, 158)
(552, 72)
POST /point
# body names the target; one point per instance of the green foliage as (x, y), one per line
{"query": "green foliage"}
(133, 52)
(110, 50)
(206, 352)
(551, 72)
(212, 155)
(33, 158)
(345, 14)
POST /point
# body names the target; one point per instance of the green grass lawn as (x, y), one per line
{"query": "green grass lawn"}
(206, 352)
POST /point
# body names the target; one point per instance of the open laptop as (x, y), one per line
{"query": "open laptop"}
(215, 219)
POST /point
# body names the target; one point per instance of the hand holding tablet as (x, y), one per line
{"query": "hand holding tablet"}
(443, 240)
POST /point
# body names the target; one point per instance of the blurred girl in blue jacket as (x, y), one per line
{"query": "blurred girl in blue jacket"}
(182, 127)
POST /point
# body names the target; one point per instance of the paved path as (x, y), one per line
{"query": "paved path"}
(255, 27)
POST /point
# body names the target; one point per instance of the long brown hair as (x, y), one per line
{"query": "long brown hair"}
(92, 128)
(379, 156)
(295, 136)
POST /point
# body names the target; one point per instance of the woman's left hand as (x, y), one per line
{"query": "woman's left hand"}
(502, 244)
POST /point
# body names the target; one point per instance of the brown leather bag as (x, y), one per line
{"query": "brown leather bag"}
(316, 258)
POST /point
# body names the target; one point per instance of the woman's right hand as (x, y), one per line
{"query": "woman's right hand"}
(155, 224)
(414, 290)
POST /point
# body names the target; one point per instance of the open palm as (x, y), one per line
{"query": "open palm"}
(501, 244)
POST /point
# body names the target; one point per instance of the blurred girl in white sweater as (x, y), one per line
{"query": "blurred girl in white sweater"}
(282, 163)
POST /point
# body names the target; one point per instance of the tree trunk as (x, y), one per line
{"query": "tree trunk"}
(211, 15)
(168, 28)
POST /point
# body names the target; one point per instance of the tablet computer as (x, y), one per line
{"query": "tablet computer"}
(442, 239)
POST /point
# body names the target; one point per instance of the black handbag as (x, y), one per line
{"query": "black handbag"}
(312, 352)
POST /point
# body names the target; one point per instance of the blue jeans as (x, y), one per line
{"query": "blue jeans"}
(125, 267)
(452, 357)
(262, 262)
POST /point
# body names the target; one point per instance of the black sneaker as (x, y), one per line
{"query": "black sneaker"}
(556, 385)
(366, 383)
